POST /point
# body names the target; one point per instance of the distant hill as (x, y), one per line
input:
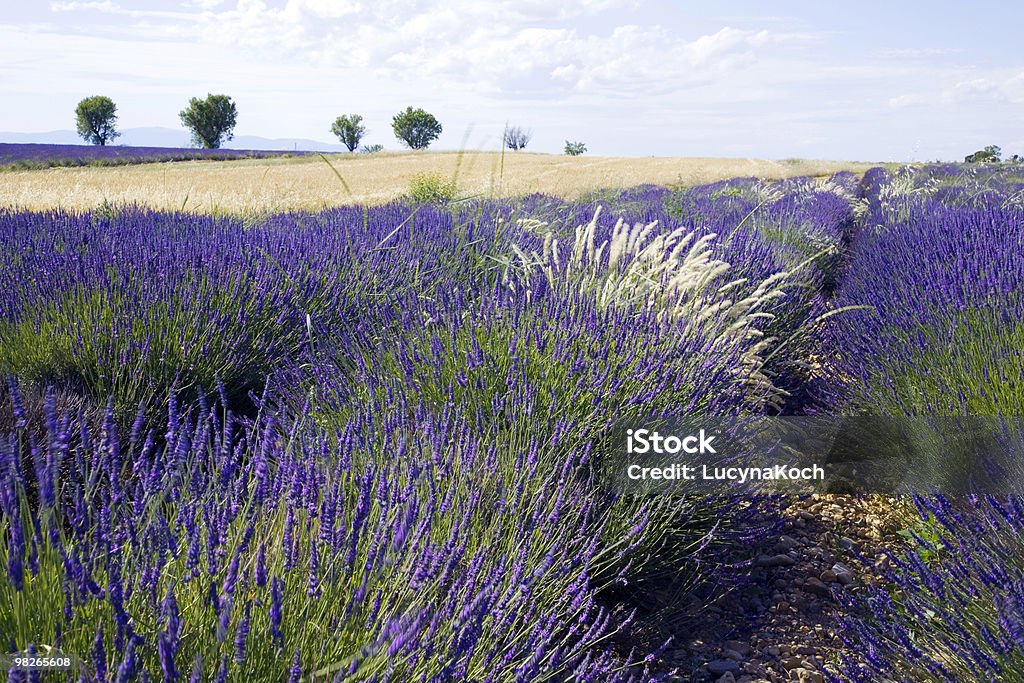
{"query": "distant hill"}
(170, 137)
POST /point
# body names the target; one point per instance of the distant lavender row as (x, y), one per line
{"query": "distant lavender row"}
(29, 155)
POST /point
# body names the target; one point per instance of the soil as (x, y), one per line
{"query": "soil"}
(802, 578)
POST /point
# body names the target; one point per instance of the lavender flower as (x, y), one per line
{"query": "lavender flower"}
(295, 672)
(166, 649)
(241, 635)
(276, 596)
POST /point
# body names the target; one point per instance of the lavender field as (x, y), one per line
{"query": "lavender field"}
(370, 443)
(20, 156)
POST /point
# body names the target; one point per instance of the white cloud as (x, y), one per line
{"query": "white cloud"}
(957, 88)
(726, 40)
(516, 46)
(105, 6)
(323, 9)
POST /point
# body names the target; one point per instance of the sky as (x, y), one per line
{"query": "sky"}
(864, 80)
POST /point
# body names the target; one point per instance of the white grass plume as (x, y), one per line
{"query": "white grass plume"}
(677, 276)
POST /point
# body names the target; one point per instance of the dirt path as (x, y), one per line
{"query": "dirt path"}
(781, 625)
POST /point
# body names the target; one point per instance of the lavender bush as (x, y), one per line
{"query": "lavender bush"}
(395, 477)
(365, 444)
(938, 267)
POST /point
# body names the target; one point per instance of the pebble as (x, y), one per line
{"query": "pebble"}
(733, 655)
(847, 543)
(829, 576)
(814, 585)
(791, 663)
(786, 543)
(807, 676)
(843, 573)
(773, 650)
(779, 560)
(719, 667)
(739, 646)
(727, 677)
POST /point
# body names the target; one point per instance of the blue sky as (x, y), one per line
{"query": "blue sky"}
(841, 80)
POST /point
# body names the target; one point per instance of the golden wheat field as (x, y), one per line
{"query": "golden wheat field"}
(315, 182)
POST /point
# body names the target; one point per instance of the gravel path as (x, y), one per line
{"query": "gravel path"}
(781, 625)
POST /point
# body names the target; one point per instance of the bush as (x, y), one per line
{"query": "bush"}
(371, 149)
(990, 153)
(574, 149)
(432, 187)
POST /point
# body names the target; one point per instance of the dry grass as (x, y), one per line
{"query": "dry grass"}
(308, 183)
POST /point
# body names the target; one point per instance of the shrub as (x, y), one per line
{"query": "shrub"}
(990, 153)
(432, 187)
(574, 149)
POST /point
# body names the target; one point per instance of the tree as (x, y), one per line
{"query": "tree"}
(990, 153)
(211, 120)
(574, 149)
(350, 130)
(96, 117)
(516, 138)
(416, 128)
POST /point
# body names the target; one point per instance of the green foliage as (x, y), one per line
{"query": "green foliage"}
(942, 378)
(349, 129)
(574, 149)
(371, 149)
(989, 154)
(211, 120)
(96, 117)
(432, 187)
(415, 128)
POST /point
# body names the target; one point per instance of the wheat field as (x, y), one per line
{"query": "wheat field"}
(315, 182)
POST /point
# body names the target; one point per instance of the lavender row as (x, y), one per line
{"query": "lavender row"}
(398, 477)
(31, 155)
(938, 286)
(938, 267)
(207, 547)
